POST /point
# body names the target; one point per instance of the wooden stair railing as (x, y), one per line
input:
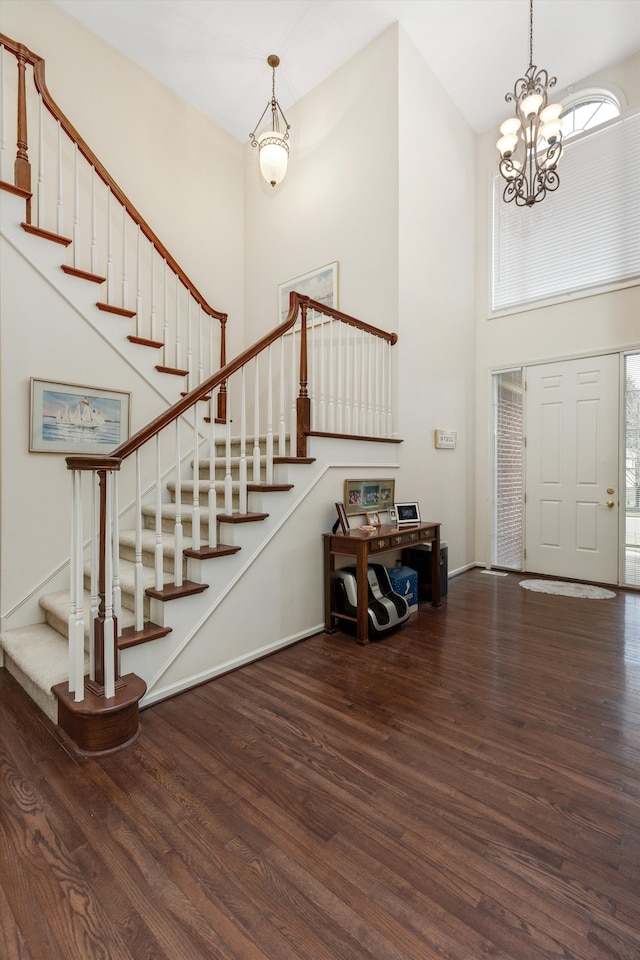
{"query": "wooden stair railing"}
(110, 242)
(263, 394)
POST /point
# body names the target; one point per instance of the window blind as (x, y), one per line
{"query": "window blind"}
(584, 236)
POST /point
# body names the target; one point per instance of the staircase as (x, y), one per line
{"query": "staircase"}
(195, 543)
(37, 655)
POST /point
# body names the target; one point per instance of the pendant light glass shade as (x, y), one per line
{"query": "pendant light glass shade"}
(274, 156)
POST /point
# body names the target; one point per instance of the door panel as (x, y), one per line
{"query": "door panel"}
(571, 464)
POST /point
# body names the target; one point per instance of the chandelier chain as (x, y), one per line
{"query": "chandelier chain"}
(530, 33)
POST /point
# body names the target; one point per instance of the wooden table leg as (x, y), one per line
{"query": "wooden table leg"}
(362, 586)
(329, 587)
(436, 596)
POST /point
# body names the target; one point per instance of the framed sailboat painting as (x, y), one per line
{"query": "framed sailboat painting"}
(67, 418)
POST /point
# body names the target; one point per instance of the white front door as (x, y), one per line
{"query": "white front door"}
(571, 475)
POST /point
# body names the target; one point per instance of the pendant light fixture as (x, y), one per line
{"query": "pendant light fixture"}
(272, 144)
(531, 141)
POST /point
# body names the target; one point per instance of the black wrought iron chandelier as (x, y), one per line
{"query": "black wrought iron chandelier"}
(531, 141)
(273, 145)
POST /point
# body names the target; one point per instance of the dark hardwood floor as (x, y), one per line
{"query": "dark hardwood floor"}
(468, 787)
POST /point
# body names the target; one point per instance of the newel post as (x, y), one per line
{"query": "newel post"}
(101, 714)
(22, 167)
(303, 402)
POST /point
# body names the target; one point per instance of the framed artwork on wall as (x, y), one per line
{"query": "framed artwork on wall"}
(68, 418)
(320, 284)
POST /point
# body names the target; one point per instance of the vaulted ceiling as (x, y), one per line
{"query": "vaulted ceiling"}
(213, 52)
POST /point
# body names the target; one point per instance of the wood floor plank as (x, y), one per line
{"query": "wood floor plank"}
(465, 787)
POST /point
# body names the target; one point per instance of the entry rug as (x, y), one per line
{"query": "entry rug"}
(583, 590)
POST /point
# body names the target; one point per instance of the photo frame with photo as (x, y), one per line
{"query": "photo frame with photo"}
(407, 513)
(361, 496)
(373, 519)
(342, 520)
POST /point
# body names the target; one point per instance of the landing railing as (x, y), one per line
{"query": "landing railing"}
(319, 369)
(71, 197)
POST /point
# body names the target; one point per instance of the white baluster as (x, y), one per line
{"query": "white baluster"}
(109, 631)
(94, 224)
(243, 443)
(282, 424)
(213, 531)
(95, 560)
(256, 424)
(138, 604)
(363, 383)
(41, 185)
(109, 250)
(228, 480)
(339, 396)
(311, 366)
(370, 366)
(159, 552)
(178, 340)
(60, 217)
(165, 309)
(322, 405)
(76, 207)
(195, 516)
(295, 385)
(3, 120)
(200, 365)
(177, 530)
(117, 591)
(76, 593)
(138, 282)
(269, 445)
(348, 381)
(189, 350)
(153, 291)
(389, 430)
(125, 278)
(331, 365)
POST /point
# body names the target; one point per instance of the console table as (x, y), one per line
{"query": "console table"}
(362, 545)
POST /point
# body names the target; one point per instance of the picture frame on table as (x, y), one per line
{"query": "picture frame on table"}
(71, 418)
(407, 513)
(373, 519)
(342, 519)
(361, 496)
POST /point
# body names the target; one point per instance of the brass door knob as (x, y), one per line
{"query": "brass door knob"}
(610, 504)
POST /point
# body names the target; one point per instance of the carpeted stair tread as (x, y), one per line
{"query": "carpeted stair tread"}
(38, 657)
(56, 607)
(148, 541)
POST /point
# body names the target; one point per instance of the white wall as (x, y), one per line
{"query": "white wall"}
(581, 327)
(339, 198)
(365, 187)
(436, 306)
